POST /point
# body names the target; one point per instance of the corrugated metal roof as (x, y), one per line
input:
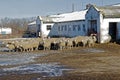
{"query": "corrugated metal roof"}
(110, 11)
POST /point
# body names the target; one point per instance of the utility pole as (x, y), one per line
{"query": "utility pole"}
(73, 7)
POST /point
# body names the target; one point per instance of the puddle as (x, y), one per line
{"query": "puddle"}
(47, 70)
(15, 59)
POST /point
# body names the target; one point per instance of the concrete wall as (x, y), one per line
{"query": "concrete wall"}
(105, 28)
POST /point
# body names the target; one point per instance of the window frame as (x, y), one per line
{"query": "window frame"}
(48, 27)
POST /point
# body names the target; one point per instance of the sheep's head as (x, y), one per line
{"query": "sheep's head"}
(82, 40)
(94, 38)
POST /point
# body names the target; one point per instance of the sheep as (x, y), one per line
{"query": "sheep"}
(50, 43)
(17, 45)
(11, 47)
(69, 43)
(26, 46)
(46, 44)
(84, 41)
(77, 41)
(89, 41)
(54, 45)
(41, 45)
(61, 43)
(34, 44)
(30, 44)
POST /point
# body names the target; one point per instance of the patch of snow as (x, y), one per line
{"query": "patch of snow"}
(50, 69)
(78, 15)
(14, 59)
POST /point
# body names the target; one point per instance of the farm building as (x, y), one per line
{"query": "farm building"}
(60, 25)
(5, 31)
(103, 21)
(69, 24)
(32, 27)
(32, 30)
(44, 25)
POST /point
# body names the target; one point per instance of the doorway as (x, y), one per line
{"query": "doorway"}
(93, 27)
(113, 30)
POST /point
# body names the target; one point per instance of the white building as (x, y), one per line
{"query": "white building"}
(44, 25)
(5, 31)
(69, 24)
(65, 25)
(104, 21)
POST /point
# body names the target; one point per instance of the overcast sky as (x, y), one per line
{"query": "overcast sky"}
(31, 8)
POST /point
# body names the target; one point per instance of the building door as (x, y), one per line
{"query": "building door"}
(113, 30)
(93, 27)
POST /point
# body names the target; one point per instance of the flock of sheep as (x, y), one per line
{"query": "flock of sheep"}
(31, 44)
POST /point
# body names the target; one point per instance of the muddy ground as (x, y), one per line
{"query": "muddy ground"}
(101, 62)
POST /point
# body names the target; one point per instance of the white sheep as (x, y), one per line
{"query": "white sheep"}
(89, 41)
(11, 47)
(69, 43)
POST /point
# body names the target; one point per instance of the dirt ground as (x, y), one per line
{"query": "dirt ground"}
(101, 62)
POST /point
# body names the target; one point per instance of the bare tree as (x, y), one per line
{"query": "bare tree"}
(18, 25)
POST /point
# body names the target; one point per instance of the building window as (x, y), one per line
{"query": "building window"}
(84, 28)
(69, 27)
(74, 27)
(48, 27)
(62, 27)
(65, 28)
(79, 28)
(58, 28)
